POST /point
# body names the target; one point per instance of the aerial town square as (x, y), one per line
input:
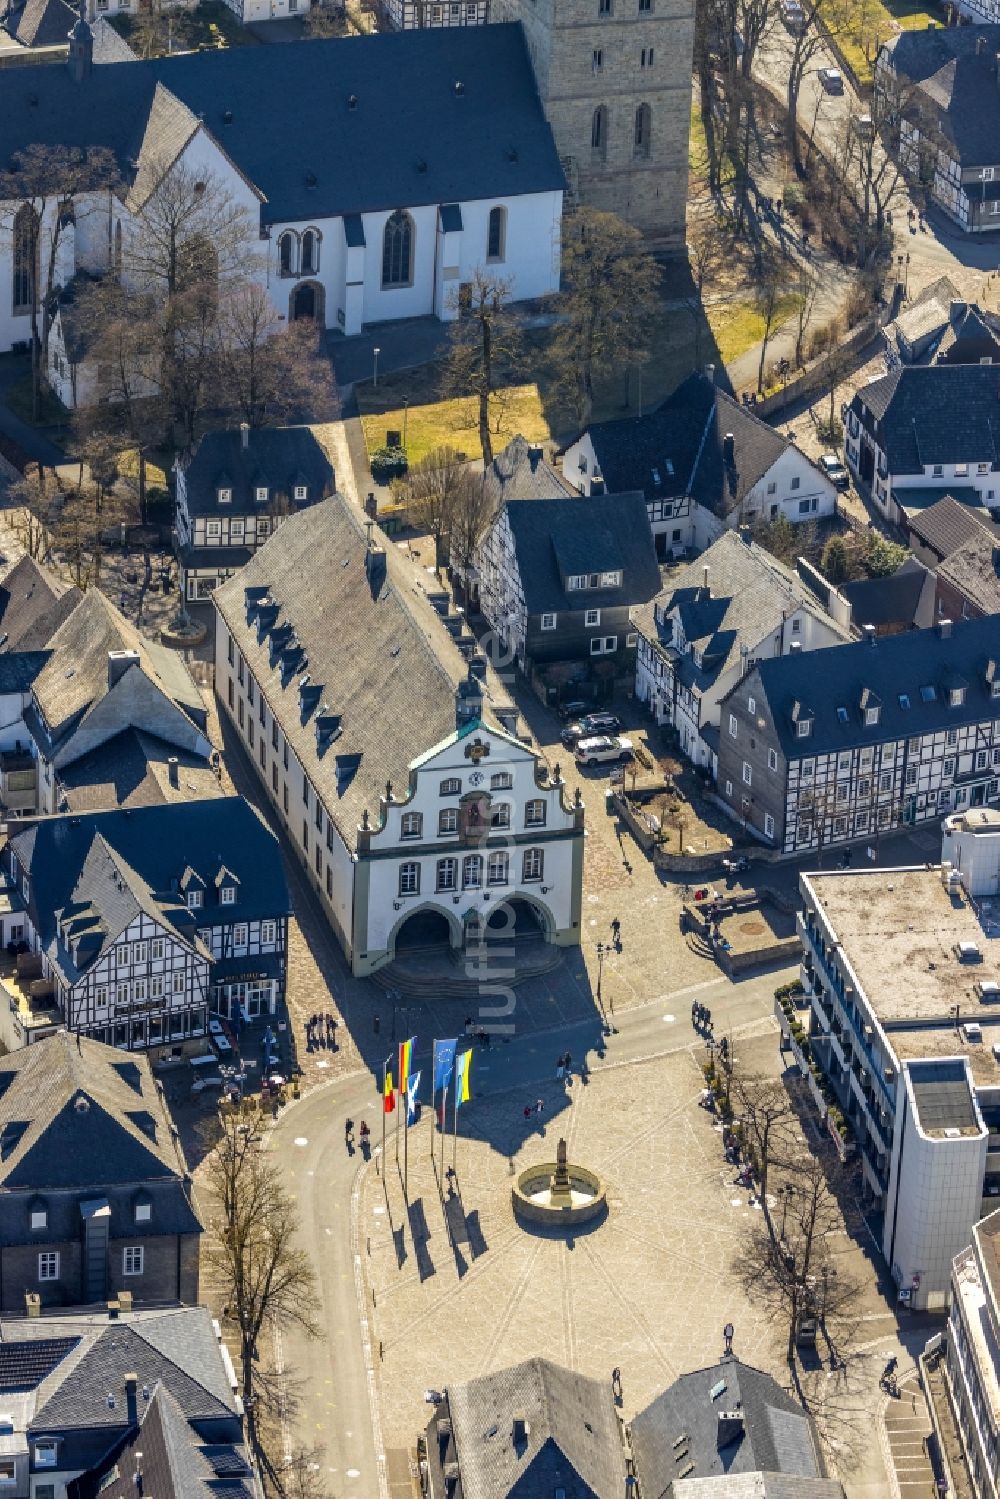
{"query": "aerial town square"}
(500, 749)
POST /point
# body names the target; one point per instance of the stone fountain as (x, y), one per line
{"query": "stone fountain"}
(558, 1194)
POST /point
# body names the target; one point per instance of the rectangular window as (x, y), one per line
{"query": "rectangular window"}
(227, 895)
(132, 1258)
(448, 820)
(604, 7)
(250, 691)
(240, 935)
(598, 59)
(751, 705)
(305, 836)
(48, 1264)
(772, 759)
(500, 816)
(472, 871)
(534, 814)
(139, 951)
(139, 990)
(179, 982)
(592, 617)
(45, 1455)
(194, 900)
(646, 58)
(747, 773)
(156, 987)
(548, 621)
(447, 874)
(885, 781)
(101, 997)
(411, 825)
(496, 873)
(503, 780)
(409, 879)
(533, 864)
(268, 932)
(733, 726)
(768, 825)
(796, 482)
(981, 759)
(329, 882)
(318, 859)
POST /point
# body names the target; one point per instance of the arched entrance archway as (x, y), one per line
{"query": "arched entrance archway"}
(517, 918)
(422, 929)
(307, 303)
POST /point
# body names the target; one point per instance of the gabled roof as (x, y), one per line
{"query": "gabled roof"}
(383, 668)
(473, 129)
(947, 525)
(98, 871)
(952, 71)
(906, 598)
(935, 413)
(132, 769)
(678, 449)
(33, 604)
(40, 23)
(75, 678)
(973, 334)
(572, 1442)
(749, 594)
(279, 457)
(974, 570)
(521, 472)
(909, 672)
(774, 1434)
(556, 539)
(80, 1102)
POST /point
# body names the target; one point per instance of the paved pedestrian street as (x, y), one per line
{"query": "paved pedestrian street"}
(648, 1289)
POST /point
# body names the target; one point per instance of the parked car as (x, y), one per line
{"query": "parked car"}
(215, 1026)
(603, 750)
(587, 727)
(203, 1084)
(793, 15)
(834, 470)
(221, 1042)
(832, 80)
(569, 712)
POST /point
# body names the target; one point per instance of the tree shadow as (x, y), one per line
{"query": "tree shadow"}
(420, 1235)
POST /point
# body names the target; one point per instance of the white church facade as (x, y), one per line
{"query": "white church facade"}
(365, 197)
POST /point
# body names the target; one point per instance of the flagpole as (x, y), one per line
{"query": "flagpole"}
(434, 1048)
(444, 1130)
(406, 1145)
(400, 1082)
(454, 1130)
(384, 1066)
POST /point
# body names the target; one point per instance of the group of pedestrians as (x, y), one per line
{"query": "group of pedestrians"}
(564, 1069)
(321, 1031)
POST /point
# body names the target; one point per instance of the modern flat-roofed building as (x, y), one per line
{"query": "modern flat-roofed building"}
(972, 1356)
(900, 969)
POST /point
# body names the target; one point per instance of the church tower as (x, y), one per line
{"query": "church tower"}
(614, 78)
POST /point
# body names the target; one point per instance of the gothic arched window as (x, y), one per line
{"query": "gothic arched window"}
(25, 257)
(287, 257)
(309, 253)
(599, 130)
(643, 130)
(397, 250)
(496, 234)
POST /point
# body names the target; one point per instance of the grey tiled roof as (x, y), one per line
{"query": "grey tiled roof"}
(973, 333)
(132, 770)
(278, 457)
(778, 1436)
(554, 539)
(677, 449)
(757, 1485)
(33, 604)
(973, 569)
(105, 866)
(75, 678)
(955, 87)
(573, 1441)
(119, 1133)
(751, 592)
(520, 472)
(934, 413)
(40, 23)
(380, 655)
(895, 666)
(309, 154)
(947, 525)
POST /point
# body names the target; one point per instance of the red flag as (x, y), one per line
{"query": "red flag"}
(388, 1093)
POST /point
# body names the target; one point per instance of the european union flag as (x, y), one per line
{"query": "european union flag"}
(444, 1062)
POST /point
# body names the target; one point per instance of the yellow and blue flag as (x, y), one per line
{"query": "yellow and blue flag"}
(462, 1065)
(406, 1049)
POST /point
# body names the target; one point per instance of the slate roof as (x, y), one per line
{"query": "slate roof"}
(99, 870)
(894, 667)
(956, 88)
(973, 334)
(750, 592)
(79, 1117)
(173, 1461)
(40, 23)
(677, 449)
(401, 143)
(573, 1442)
(33, 604)
(380, 655)
(279, 457)
(521, 472)
(554, 539)
(906, 598)
(757, 1486)
(934, 413)
(974, 570)
(778, 1436)
(947, 525)
(132, 770)
(75, 679)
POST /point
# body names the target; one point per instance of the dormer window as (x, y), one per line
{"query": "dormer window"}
(301, 492)
(260, 494)
(194, 900)
(956, 696)
(611, 580)
(224, 496)
(995, 688)
(143, 1211)
(804, 728)
(38, 1217)
(871, 717)
(227, 895)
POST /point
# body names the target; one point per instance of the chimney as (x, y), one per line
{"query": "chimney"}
(710, 373)
(244, 435)
(944, 629)
(869, 633)
(746, 535)
(729, 449)
(119, 663)
(375, 566)
(172, 775)
(705, 583)
(125, 1300)
(371, 505)
(131, 1386)
(507, 719)
(32, 1304)
(730, 1427)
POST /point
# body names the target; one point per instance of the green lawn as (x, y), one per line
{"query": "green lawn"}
(211, 24)
(431, 423)
(737, 325)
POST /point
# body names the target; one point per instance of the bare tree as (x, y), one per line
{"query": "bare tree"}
(263, 1277)
(706, 254)
(437, 488)
(807, 289)
(33, 501)
(270, 372)
(300, 1476)
(472, 510)
(485, 348)
(56, 186)
(767, 302)
(188, 229)
(607, 303)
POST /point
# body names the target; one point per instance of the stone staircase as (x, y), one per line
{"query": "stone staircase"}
(439, 973)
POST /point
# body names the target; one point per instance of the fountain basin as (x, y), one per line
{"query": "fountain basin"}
(534, 1201)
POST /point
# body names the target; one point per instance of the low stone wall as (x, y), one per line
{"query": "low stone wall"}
(812, 377)
(760, 957)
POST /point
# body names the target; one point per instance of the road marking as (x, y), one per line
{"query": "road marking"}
(279, 1366)
(300, 1140)
(366, 1343)
(669, 1019)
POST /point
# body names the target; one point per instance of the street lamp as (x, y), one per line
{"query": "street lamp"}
(376, 351)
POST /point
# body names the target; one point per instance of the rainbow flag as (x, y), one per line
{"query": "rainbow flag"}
(406, 1049)
(388, 1092)
(462, 1065)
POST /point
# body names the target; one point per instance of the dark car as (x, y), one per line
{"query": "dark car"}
(568, 712)
(586, 728)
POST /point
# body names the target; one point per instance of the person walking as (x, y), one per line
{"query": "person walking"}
(560, 1069)
(539, 1105)
(616, 929)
